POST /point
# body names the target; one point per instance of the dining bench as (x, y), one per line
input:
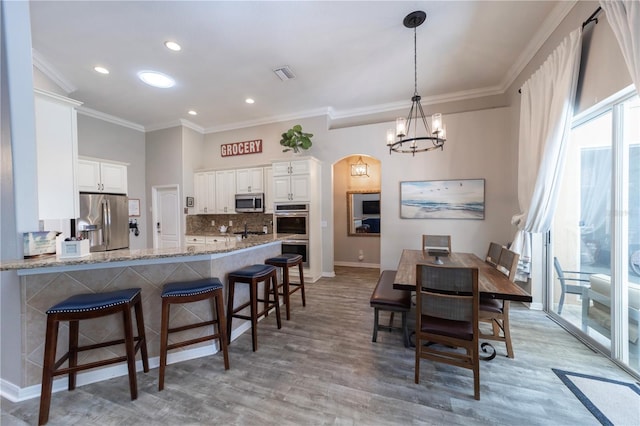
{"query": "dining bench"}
(386, 298)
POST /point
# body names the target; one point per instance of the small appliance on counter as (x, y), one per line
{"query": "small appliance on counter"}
(39, 243)
(104, 221)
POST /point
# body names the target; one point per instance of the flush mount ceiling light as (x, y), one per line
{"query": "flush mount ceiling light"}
(192, 112)
(172, 45)
(101, 70)
(249, 101)
(156, 79)
(407, 139)
(360, 168)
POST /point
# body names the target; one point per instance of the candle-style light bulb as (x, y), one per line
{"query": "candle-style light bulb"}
(401, 127)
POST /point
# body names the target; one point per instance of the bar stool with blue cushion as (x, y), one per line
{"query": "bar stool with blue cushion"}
(84, 307)
(286, 261)
(188, 292)
(253, 275)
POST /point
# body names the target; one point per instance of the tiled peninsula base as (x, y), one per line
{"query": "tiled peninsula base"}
(42, 290)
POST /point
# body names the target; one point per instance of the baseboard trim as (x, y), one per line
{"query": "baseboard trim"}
(357, 264)
(15, 393)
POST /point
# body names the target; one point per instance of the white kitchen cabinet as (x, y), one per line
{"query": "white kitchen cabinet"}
(102, 176)
(204, 185)
(296, 167)
(268, 189)
(292, 181)
(57, 155)
(194, 240)
(225, 191)
(250, 181)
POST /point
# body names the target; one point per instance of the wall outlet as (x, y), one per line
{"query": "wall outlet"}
(213, 223)
(230, 223)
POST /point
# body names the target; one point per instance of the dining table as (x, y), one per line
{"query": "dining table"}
(492, 284)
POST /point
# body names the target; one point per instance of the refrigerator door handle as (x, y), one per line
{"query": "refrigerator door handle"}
(106, 222)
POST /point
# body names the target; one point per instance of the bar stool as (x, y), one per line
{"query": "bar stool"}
(83, 307)
(188, 292)
(253, 275)
(286, 261)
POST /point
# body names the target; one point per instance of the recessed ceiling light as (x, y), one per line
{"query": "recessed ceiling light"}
(249, 101)
(101, 70)
(192, 112)
(156, 79)
(172, 45)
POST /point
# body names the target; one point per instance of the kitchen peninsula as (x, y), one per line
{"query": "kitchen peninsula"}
(48, 280)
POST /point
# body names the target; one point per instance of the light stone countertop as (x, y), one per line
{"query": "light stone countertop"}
(225, 245)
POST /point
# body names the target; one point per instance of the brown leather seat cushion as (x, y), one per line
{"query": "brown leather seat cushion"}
(385, 295)
(491, 305)
(444, 327)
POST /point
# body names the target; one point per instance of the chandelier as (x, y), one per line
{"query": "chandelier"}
(406, 138)
(360, 168)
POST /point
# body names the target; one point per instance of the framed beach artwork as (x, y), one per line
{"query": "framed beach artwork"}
(442, 199)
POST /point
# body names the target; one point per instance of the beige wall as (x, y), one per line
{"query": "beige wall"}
(163, 164)
(347, 248)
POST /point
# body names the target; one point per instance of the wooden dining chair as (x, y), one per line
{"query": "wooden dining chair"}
(493, 254)
(496, 311)
(447, 301)
(436, 245)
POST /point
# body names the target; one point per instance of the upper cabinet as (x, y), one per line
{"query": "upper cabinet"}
(57, 153)
(249, 181)
(226, 191)
(204, 185)
(292, 181)
(102, 176)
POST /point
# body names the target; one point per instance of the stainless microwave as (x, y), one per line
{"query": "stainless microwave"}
(249, 203)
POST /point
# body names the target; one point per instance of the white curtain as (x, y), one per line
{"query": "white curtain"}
(624, 18)
(546, 110)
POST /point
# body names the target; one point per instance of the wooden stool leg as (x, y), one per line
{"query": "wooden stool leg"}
(164, 341)
(304, 303)
(142, 335)
(230, 309)
(253, 296)
(286, 294)
(274, 283)
(50, 343)
(131, 352)
(222, 328)
(266, 304)
(73, 352)
(376, 312)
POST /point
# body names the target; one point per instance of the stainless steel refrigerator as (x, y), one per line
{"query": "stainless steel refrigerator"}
(104, 220)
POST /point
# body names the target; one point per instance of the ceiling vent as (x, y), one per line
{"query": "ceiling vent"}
(284, 73)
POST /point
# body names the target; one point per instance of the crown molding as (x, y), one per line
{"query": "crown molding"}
(110, 118)
(550, 24)
(269, 120)
(51, 72)
(193, 126)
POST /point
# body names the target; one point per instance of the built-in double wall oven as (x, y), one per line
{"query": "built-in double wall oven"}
(293, 220)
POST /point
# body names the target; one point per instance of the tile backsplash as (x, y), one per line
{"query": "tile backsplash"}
(201, 224)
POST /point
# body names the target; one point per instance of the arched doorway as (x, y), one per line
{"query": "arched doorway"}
(357, 223)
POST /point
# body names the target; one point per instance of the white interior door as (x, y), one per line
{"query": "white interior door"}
(166, 217)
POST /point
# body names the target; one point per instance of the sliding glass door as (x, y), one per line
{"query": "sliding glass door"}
(595, 238)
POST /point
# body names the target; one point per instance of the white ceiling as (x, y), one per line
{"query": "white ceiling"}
(350, 57)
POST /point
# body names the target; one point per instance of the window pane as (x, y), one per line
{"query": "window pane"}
(631, 226)
(582, 230)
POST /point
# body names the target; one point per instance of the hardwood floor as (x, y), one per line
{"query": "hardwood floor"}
(322, 368)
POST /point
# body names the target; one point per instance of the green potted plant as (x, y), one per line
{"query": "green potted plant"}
(295, 139)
